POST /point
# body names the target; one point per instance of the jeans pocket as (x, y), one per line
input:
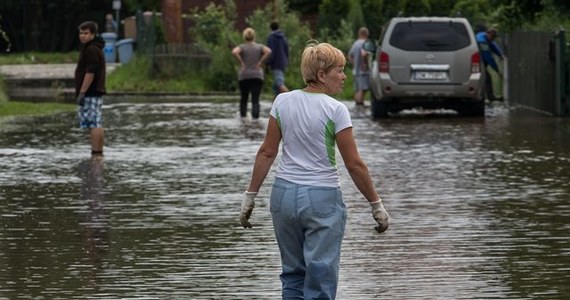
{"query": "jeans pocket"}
(276, 198)
(324, 200)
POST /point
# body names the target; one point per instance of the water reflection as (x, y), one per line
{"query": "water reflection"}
(94, 220)
(480, 208)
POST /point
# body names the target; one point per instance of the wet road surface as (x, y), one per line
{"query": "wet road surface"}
(480, 208)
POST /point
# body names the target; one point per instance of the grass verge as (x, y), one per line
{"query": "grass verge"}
(39, 58)
(15, 108)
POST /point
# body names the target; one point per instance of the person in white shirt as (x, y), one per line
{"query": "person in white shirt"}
(308, 212)
(359, 60)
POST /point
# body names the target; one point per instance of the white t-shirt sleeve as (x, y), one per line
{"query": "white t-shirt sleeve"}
(342, 118)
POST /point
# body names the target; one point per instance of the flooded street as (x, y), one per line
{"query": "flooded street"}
(480, 207)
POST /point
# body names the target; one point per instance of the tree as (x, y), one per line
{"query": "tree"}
(5, 44)
(36, 25)
(214, 31)
(355, 16)
(331, 12)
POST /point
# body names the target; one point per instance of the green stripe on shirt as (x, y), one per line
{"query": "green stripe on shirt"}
(330, 142)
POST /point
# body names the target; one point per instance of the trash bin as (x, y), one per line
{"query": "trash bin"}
(125, 50)
(109, 50)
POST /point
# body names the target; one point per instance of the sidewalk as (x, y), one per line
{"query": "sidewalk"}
(41, 82)
(54, 82)
(43, 71)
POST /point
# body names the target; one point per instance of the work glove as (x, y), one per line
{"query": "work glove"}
(80, 99)
(247, 206)
(380, 215)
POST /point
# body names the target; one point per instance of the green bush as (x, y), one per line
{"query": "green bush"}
(297, 33)
(213, 31)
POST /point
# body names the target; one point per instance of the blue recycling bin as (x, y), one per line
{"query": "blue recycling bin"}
(109, 50)
(125, 49)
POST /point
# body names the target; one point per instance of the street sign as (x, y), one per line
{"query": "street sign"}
(116, 4)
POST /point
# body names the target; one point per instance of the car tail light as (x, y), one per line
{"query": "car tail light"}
(384, 65)
(476, 63)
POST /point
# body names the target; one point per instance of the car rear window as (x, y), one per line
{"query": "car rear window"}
(430, 36)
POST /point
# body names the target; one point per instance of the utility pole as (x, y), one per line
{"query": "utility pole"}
(117, 8)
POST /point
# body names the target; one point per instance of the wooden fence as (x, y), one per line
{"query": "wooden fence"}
(538, 71)
(176, 59)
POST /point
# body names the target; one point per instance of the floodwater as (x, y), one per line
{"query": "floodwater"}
(480, 207)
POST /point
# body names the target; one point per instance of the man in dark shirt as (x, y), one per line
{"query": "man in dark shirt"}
(90, 84)
(279, 59)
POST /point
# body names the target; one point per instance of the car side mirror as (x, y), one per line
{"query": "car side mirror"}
(369, 45)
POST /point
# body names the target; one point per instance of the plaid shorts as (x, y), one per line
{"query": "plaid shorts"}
(91, 113)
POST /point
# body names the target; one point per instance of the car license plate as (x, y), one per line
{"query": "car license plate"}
(430, 75)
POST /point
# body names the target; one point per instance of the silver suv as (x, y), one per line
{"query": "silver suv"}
(427, 62)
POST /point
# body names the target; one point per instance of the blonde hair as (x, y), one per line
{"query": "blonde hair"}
(319, 56)
(249, 34)
(363, 32)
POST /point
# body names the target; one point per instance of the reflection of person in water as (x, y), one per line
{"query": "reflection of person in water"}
(95, 220)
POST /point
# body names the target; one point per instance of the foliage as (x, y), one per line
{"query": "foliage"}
(4, 39)
(374, 20)
(39, 25)
(476, 11)
(295, 30)
(343, 39)
(550, 18)
(304, 6)
(129, 77)
(509, 16)
(331, 13)
(214, 31)
(355, 16)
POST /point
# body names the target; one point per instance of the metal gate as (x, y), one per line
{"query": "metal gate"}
(538, 71)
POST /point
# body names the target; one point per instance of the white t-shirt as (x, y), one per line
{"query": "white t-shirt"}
(360, 65)
(309, 123)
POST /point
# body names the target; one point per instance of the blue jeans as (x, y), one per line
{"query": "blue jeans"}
(309, 224)
(278, 80)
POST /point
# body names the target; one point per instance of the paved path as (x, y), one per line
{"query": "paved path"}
(41, 81)
(36, 81)
(43, 71)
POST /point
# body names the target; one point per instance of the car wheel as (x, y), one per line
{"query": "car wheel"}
(476, 109)
(379, 108)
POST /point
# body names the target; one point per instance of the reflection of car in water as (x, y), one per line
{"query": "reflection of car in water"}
(427, 62)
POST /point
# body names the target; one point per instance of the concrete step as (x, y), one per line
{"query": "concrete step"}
(41, 82)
